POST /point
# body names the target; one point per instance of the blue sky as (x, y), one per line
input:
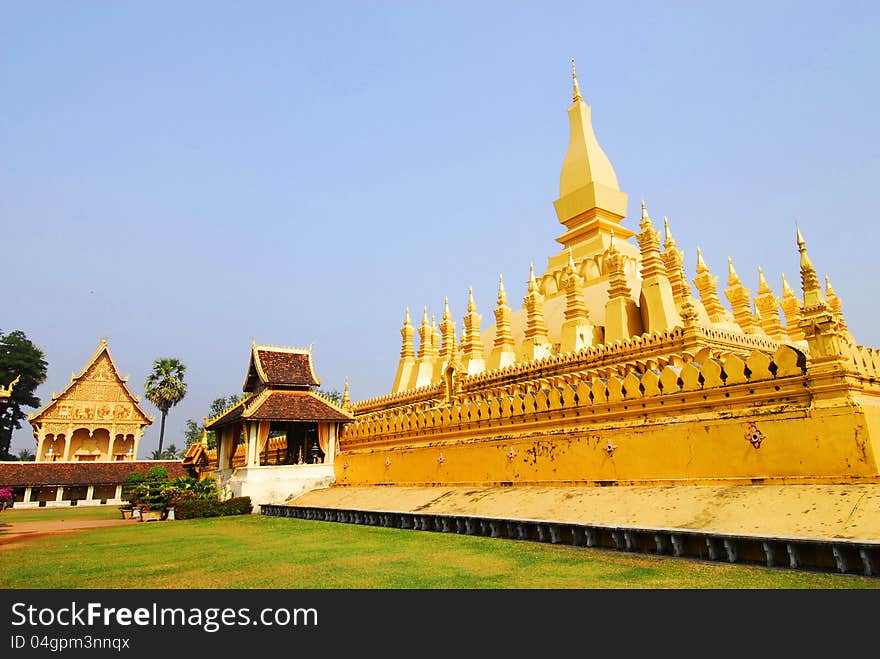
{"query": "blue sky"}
(182, 178)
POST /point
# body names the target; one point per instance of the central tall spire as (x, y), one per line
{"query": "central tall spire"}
(590, 202)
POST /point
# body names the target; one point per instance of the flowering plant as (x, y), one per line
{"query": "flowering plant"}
(5, 495)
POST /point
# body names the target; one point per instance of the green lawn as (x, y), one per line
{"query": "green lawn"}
(252, 551)
(52, 514)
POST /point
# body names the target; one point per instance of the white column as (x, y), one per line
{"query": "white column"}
(59, 493)
(90, 493)
(118, 495)
(27, 494)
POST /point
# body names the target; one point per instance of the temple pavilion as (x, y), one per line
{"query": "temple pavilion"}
(282, 437)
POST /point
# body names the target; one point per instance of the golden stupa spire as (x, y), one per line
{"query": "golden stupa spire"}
(447, 332)
(407, 333)
(533, 284)
(646, 222)
(809, 281)
(791, 307)
(585, 161)
(669, 243)
(701, 264)
(763, 286)
(786, 289)
(570, 261)
(471, 305)
(502, 294)
(707, 286)
(732, 278)
(346, 400)
(740, 300)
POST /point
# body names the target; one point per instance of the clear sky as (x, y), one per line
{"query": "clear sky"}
(182, 178)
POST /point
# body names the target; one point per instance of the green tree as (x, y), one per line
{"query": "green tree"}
(193, 432)
(19, 357)
(25, 455)
(332, 394)
(165, 388)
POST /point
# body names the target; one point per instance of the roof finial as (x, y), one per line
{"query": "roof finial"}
(471, 306)
(446, 314)
(574, 76)
(533, 284)
(570, 260)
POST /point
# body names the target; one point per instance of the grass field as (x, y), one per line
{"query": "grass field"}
(51, 514)
(264, 552)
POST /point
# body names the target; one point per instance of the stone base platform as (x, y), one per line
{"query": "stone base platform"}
(815, 512)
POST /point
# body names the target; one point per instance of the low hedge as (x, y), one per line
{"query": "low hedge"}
(192, 508)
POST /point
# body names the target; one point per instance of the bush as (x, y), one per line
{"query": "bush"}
(190, 508)
(5, 497)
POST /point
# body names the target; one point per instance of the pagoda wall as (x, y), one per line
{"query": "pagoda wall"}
(700, 419)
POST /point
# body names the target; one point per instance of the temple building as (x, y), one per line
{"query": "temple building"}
(95, 418)
(621, 367)
(87, 440)
(282, 438)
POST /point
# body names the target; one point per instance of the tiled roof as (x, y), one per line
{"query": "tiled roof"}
(296, 406)
(23, 474)
(280, 367)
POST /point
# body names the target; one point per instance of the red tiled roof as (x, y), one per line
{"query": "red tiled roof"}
(296, 406)
(280, 367)
(23, 474)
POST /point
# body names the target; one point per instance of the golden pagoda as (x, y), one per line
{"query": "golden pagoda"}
(616, 371)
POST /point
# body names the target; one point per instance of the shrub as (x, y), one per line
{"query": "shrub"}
(190, 508)
(157, 473)
(5, 496)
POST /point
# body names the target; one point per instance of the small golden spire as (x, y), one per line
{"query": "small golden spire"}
(786, 289)
(574, 77)
(763, 286)
(570, 260)
(701, 264)
(829, 290)
(670, 241)
(472, 306)
(646, 222)
(732, 278)
(406, 319)
(533, 284)
(425, 317)
(446, 314)
(612, 249)
(502, 294)
(346, 401)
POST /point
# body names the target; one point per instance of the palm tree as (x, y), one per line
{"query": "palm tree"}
(165, 388)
